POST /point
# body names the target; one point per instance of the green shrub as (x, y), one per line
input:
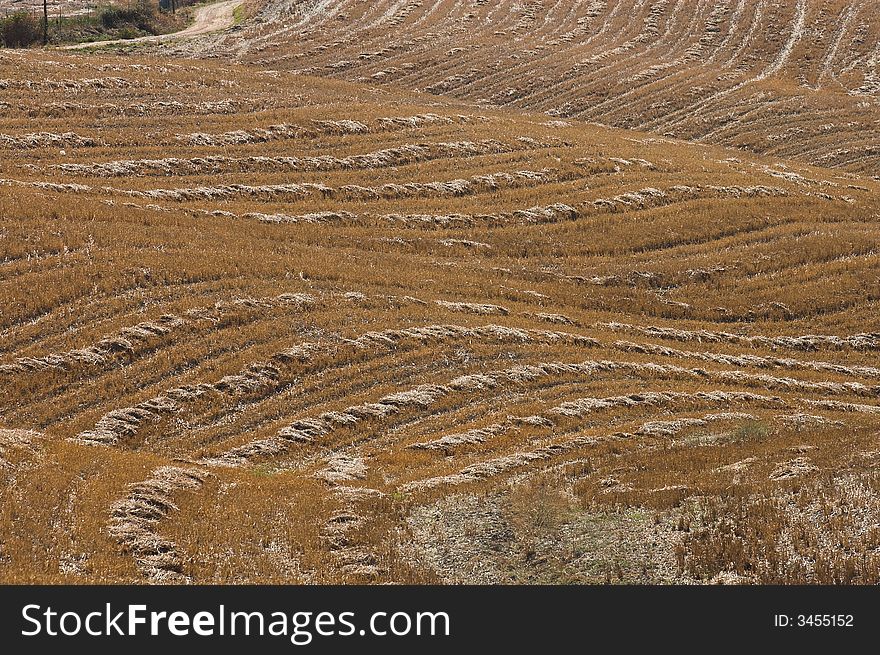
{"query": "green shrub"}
(141, 17)
(20, 30)
(752, 431)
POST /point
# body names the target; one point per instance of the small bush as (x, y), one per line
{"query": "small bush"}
(752, 431)
(539, 507)
(140, 17)
(128, 32)
(20, 30)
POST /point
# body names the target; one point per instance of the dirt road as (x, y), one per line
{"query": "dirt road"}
(211, 18)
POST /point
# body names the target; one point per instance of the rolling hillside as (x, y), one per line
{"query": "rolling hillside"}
(262, 326)
(788, 78)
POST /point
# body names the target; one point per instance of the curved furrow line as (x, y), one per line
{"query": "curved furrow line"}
(77, 310)
(624, 203)
(368, 58)
(46, 140)
(797, 33)
(646, 79)
(237, 106)
(413, 401)
(135, 520)
(615, 81)
(746, 360)
(220, 164)
(485, 469)
(433, 67)
(495, 467)
(477, 184)
(135, 340)
(848, 15)
(343, 474)
(80, 306)
(281, 368)
(327, 127)
(492, 81)
(658, 124)
(311, 430)
(862, 341)
(322, 10)
(560, 85)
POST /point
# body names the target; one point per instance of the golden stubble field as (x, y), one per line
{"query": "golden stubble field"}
(257, 326)
(788, 78)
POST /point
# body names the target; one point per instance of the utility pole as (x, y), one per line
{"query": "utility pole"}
(45, 22)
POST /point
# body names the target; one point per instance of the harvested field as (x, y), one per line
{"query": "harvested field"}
(796, 79)
(275, 317)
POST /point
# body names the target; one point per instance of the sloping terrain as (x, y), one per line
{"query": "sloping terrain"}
(206, 19)
(265, 327)
(789, 78)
